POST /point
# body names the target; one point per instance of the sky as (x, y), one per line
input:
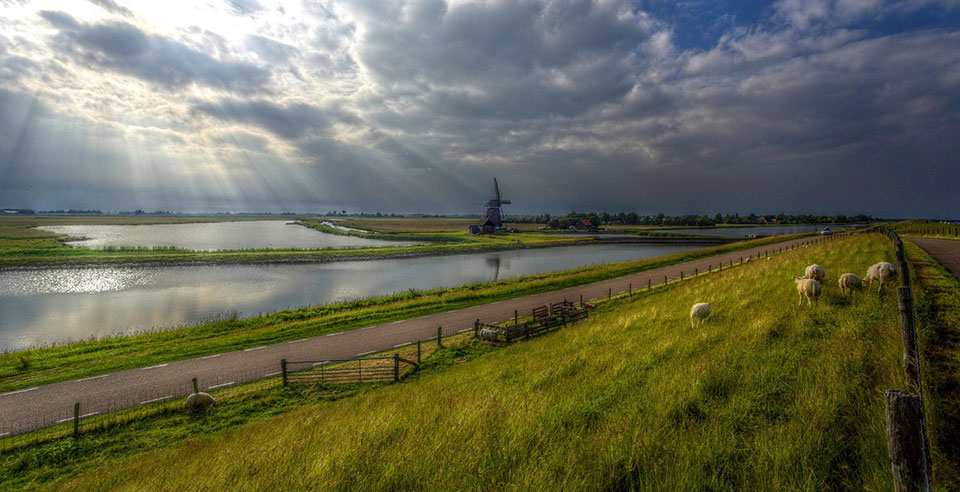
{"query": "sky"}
(673, 106)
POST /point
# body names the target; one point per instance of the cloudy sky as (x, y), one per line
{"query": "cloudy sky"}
(800, 106)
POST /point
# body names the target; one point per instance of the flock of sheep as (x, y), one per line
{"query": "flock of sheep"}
(809, 286)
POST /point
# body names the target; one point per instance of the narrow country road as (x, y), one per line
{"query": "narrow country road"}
(43, 406)
(945, 251)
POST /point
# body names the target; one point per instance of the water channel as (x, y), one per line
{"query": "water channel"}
(254, 234)
(39, 307)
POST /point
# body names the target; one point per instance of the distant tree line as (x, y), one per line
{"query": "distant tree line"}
(632, 218)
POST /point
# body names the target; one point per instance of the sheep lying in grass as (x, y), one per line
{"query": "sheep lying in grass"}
(882, 272)
(699, 313)
(809, 288)
(200, 401)
(814, 272)
(850, 281)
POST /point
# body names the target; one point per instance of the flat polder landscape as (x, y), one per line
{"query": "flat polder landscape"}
(479, 245)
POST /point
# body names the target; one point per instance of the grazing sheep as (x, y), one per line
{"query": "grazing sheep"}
(850, 281)
(699, 313)
(490, 335)
(814, 272)
(809, 288)
(882, 272)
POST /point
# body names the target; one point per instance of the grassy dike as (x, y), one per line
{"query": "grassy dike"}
(83, 359)
(938, 328)
(765, 396)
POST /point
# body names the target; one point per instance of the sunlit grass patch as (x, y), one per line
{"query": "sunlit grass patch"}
(765, 396)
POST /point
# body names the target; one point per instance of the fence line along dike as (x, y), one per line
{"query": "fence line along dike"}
(106, 400)
(907, 441)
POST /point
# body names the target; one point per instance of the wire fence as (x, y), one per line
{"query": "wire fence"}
(161, 396)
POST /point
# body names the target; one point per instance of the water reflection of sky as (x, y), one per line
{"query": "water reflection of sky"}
(46, 306)
(260, 234)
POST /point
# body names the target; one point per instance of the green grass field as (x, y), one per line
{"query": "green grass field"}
(925, 228)
(938, 329)
(766, 396)
(87, 358)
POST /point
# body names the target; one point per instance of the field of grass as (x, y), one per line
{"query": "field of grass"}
(937, 301)
(420, 224)
(88, 358)
(765, 396)
(925, 228)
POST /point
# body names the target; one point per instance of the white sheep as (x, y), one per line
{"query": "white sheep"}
(699, 313)
(850, 281)
(814, 272)
(490, 335)
(809, 288)
(200, 401)
(882, 272)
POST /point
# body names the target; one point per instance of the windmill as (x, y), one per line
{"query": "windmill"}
(492, 214)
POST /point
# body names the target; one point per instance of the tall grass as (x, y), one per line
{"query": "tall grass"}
(766, 396)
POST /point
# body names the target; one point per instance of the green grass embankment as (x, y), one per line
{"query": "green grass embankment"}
(765, 396)
(87, 358)
(937, 301)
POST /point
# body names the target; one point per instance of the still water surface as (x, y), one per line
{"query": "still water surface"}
(758, 231)
(213, 236)
(40, 307)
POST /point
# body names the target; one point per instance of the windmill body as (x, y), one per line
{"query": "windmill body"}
(492, 220)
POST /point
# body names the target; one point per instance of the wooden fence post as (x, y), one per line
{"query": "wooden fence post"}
(649, 283)
(911, 363)
(396, 367)
(196, 388)
(439, 336)
(630, 289)
(696, 272)
(283, 370)
(516, 317)
(476, 328)
(681, 274)
(664, 280)
(609, 293)
(418, 352)
(906, 441)
(581, 300)
(76, 420)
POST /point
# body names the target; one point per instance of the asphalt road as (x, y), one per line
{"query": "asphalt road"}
(43, 406)
(945, 251)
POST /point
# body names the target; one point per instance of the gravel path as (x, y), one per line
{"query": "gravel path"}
(39, 407)
(946, 251)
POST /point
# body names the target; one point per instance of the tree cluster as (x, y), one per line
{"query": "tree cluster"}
(632, 218)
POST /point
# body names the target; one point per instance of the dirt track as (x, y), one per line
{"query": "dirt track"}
(38, 407)
(946, 251)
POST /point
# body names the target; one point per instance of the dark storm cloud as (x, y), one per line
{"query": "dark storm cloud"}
(290, 121)
(124, 48)
(113, 7)
(500, 60)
